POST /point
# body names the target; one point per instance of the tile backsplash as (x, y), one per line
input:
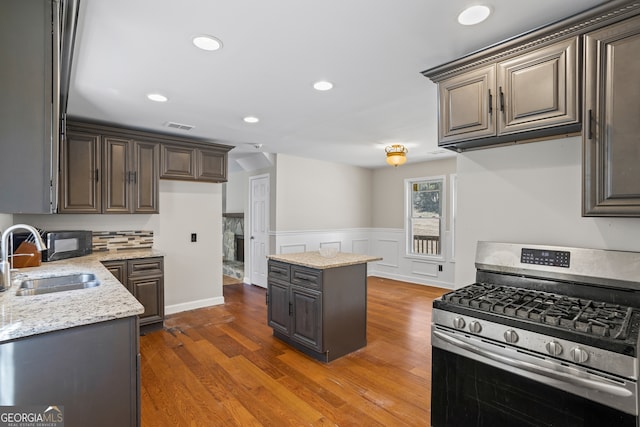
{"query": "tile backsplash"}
(121, 240)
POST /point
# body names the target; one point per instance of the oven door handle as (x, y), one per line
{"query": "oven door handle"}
(600, 386)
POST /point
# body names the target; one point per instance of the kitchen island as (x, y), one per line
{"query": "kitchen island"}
(318, 304)
(76, 349)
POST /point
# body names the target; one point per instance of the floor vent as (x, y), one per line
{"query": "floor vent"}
(180, 126)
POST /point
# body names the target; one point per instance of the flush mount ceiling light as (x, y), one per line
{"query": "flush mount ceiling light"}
(206, 42)
(474, 15)
(323, 85)
(157, 97)
(396, 154)
(251, 119)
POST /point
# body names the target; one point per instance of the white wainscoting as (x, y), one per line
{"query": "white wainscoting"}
(386, 243)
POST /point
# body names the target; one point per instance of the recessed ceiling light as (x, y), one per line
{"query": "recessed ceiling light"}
(205, 42)
(474, 15)
(323, 85)
(157, 97)
(251, 119)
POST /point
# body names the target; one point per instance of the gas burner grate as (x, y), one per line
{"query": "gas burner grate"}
(587, 316)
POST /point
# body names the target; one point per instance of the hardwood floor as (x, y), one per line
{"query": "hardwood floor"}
(221, 366)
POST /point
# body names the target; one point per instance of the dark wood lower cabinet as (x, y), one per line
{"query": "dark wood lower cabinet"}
(322, 313)
(92, 372)
(144, 278)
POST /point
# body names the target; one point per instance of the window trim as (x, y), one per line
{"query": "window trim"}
(408, 182)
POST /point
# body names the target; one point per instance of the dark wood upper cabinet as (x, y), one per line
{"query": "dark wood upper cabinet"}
(103, 173)
(539, 89)
(116, 181)
(106, 169)
(80, 169)
(467, 106)
(178, 162)
(530, 87)
(212, 165)
(501, 102)
(611, 150)
(145, 176)
(193, 162)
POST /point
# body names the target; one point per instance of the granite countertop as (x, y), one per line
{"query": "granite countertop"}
(315, 260)
(23, 316)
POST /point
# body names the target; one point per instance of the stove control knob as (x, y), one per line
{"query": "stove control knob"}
(554, 348)
(475, 327)
(579, 355)
(511, 336)
(458, 323)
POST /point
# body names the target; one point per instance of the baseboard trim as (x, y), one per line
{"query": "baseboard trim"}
(192, 305)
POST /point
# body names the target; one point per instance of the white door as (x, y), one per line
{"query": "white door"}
(259, 227)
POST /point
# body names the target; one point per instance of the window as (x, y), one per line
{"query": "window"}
(425, 202)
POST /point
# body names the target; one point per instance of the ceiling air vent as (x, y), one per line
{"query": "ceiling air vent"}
(180, 126)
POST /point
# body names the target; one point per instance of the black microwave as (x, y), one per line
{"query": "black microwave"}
(61, 244)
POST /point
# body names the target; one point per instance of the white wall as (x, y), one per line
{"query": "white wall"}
(235, 192)
(319, 195)
(529, 193)
(388, 237)
(6, 220)
(317, 203)
(388, 189)
(193, 271)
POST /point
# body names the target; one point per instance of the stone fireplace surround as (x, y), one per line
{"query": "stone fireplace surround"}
(232, 235)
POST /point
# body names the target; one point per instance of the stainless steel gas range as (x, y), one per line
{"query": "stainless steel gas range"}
(547, 336)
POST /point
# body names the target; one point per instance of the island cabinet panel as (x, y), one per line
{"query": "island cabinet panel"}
(144, 278)
(90, 371)
(611, 142)
(279, 307)
(321, 312)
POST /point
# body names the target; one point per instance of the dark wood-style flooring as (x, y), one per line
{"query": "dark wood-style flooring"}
(221, 366)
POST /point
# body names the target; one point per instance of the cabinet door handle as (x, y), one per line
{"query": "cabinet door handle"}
(590, 125)
(134, 176)
(501, 100)
(490, 103)
(290, 309)
(97, 175)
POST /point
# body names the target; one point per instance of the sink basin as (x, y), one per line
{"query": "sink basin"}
(47, 285)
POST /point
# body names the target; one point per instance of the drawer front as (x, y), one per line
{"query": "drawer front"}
(145, 267)
(306, 277)
(279, 270)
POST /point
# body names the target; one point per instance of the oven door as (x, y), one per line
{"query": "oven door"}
(477, 383)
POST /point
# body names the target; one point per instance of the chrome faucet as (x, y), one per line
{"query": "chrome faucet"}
(5, 268)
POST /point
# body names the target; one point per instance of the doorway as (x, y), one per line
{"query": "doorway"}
(258, 229)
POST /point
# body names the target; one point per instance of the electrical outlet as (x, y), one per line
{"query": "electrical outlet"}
(194, 237)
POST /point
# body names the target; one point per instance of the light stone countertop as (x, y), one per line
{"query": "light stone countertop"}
(23, 316)
(315, 260)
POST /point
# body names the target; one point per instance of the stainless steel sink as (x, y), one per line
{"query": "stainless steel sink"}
(47, 285)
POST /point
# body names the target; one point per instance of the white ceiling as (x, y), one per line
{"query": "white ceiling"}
(372, 50)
